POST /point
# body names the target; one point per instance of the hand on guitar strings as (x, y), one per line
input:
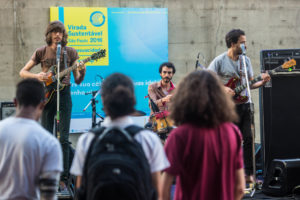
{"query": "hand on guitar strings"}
(81, 67)
(66, 80)
(42, 76)
(229, 91)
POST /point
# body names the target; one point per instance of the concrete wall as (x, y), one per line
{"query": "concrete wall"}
(194, 26)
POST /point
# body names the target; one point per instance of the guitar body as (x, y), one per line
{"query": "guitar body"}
(50, 86)
(237, 98)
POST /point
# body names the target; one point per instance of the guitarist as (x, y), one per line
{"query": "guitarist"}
(46, 55)
(228, 65)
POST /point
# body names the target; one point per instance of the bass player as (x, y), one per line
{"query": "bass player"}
(229, 65)
(46, 55)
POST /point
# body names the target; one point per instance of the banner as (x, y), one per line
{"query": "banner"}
(135, 41)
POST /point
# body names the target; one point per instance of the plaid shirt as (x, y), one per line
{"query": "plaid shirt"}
(156, 93)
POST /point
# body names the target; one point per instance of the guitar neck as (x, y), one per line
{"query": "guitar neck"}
(69, 69)
(240, 88)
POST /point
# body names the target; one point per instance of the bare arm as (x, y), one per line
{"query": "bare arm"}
(265, 78)
(167, 180)
(78, 181)
(25, 72)
(79, 72)
(239, 184)
(156, 180)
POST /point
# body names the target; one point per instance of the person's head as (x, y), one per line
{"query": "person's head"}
(200, 99)
(55, 33)
(117, 94)
(234, 39)
(30, 93)
(166, 71)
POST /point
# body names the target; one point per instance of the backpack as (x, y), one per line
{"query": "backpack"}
(116, 167)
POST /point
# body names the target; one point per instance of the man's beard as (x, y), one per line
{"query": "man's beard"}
(239, 51)
(167, 80)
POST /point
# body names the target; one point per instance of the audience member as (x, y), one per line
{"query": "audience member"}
(205, 149)
(30, 157)
(117, 94)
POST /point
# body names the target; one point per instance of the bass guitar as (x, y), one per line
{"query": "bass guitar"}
(50, 85)
(233, 82)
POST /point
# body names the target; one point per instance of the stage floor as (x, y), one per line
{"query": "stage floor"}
(260, 195)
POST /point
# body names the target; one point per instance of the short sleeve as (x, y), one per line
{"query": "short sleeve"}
(37, 55)
(52, 160)
(80, 153)
(213, 66)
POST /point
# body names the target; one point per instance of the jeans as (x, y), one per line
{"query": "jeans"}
(65, 109)
(244, 124)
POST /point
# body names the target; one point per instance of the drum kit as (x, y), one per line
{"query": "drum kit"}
(161, 124)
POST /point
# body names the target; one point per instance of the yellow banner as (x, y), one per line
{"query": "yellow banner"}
(87, 30)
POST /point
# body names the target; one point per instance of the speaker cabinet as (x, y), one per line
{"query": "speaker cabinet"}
(282, 177)
(280, 108)
(7, 109)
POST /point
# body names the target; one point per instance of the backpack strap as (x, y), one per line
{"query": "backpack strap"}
(133, 130)
(96, 132)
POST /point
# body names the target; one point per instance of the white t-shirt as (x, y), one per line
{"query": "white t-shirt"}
(150, 142)
(26, 151)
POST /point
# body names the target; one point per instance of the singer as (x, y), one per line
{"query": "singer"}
(229, 65)
(56, 39)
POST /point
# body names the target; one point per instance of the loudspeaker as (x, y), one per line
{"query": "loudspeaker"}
(7, 109)
(282, 177)
(280, 108)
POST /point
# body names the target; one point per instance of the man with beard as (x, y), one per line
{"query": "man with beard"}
(46, 55)
(161, 92)
(228, 65)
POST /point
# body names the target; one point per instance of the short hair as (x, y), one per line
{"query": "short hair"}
(117, 93)
(168, 65)
(233, 36)
(200, 99)
(30, 92)
(56, 26)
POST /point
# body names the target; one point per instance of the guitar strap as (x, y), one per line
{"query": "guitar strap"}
(65, 58)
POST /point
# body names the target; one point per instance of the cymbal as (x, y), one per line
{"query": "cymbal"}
(138, 113)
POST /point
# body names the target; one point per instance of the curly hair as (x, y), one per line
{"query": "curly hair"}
(117, 93)
(56, 26)
(233, 36)
(168, 65)
(200, 99)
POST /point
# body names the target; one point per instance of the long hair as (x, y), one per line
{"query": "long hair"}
(200, 99)
(56, 26)
(117, 93)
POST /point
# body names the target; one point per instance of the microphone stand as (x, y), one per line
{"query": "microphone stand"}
(94, 113)
(252, 116)
(58, 51)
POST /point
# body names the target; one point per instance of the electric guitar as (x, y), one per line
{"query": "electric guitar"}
(232, 83)
(50, 85)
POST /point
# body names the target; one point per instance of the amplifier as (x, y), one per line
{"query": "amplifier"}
(271, 59)
(7, 109)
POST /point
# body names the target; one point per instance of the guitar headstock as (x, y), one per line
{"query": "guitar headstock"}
(99, 54)
(288, 64)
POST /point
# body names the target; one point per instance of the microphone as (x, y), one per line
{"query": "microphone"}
(243, 47)
(197, 62)
(58, 50)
